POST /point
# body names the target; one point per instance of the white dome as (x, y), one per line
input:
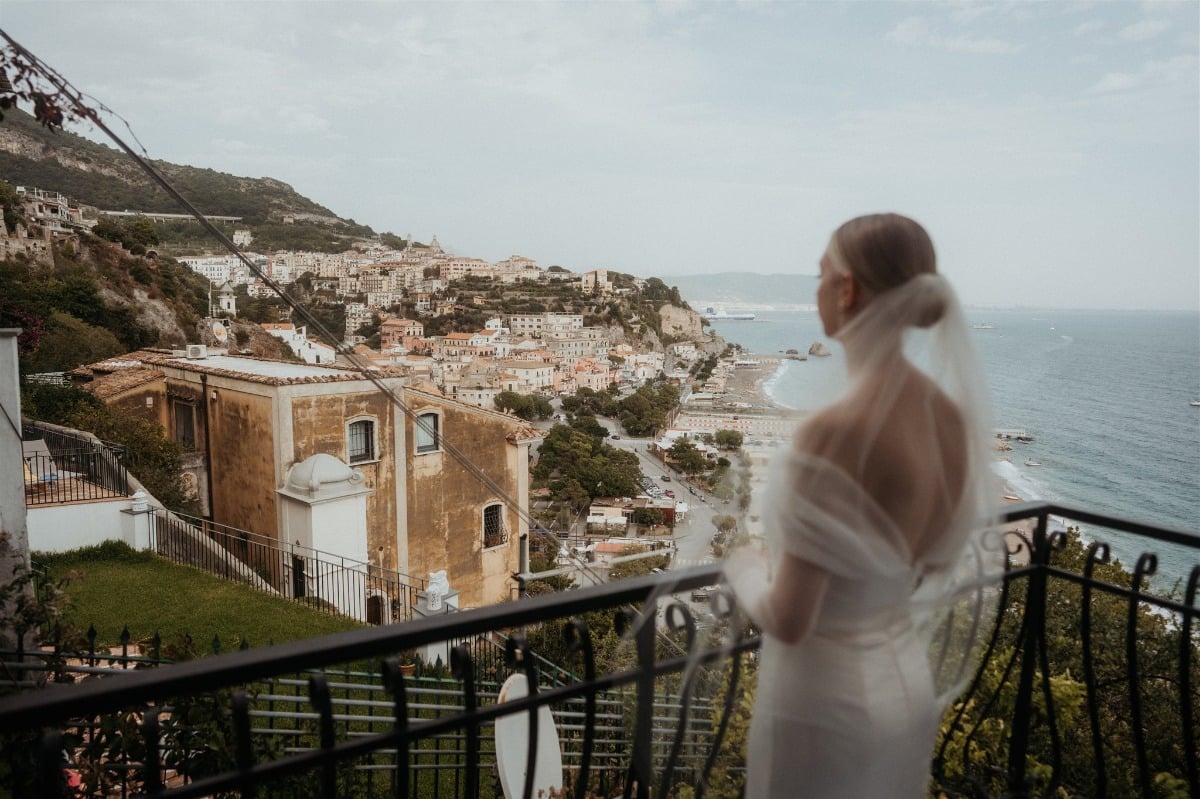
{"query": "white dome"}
(321, 471)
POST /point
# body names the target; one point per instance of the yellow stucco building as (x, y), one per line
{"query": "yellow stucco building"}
(440, 483)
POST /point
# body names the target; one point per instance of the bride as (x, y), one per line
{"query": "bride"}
(867, 520)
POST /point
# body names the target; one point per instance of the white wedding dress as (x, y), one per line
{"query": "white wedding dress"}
(850, 711)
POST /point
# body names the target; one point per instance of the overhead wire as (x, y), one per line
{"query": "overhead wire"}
(356, 361)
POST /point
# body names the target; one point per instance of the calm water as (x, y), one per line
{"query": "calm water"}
(1105, 394)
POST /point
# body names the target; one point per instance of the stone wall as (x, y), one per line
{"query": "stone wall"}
(446, 502)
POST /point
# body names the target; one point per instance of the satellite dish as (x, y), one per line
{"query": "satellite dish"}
(220, 332)
(512, 746)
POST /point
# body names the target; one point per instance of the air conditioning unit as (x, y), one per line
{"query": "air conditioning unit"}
(197, 351)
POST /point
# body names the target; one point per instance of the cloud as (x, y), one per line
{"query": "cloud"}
(1179, 70)
(914, 32)
(1146, 29)
(1115, 82)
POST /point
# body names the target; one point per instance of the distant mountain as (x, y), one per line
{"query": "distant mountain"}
(745, 290)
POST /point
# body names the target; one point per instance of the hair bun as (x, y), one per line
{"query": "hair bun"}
(929, 311)
(928, 303)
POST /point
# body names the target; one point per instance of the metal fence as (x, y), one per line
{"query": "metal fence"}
(320, 579)
(73, 476)
(1088, 687)
(71, 468)
(64, 439)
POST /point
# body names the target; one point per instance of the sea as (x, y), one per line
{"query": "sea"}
(1105, 395)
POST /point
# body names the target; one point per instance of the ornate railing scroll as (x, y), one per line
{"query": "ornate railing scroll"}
(364, 727)
(1088, 686)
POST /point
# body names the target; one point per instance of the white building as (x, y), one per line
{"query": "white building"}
(309, 350)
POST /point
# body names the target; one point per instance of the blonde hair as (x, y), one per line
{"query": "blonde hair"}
(882, 252)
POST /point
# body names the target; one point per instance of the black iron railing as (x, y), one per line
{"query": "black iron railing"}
(81, 475)
(1088, 686)
(70, 467)
(1090, 683)
(320, 579)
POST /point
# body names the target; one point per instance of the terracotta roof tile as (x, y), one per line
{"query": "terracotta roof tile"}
(107, 385)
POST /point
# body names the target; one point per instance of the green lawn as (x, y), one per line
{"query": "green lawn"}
(112, 586)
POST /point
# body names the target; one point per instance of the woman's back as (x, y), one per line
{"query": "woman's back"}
(908, 455)
(881, 490)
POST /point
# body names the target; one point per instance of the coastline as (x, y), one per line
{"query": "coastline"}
(751, 387)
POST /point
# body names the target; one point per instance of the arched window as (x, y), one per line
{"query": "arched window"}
(428, 432)
(360, 441)
(494, 531)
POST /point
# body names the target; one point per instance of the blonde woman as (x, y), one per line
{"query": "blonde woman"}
(869, 515)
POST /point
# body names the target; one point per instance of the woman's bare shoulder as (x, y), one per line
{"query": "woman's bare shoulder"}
(826, 433)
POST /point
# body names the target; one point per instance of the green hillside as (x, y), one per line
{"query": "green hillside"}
(109, 180)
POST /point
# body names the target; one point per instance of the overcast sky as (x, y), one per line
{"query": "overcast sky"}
(1051, 148)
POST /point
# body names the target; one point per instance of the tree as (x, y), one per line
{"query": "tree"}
(724, 523)
(150, 456)
(70, 342)
(10, 204)
(525, 406)
(728, 439)
(587, 401)
(645, 410)
(580, 466)
(543, 559)
(683, 453)
(141, 232)
(390, 239)
(590, 425)
(647, 516)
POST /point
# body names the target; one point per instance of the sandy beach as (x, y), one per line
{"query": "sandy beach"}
(745, 385)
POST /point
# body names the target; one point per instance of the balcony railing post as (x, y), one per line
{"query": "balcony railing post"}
(616, 714)
(1185, 684)
(1034, 620)
(641, 763)
(1146, 566)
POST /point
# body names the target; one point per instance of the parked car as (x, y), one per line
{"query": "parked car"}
(666, 478)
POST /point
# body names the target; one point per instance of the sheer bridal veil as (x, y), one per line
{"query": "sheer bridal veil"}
(918, 323)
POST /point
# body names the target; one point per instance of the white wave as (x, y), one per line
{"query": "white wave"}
(771, 384)
(1019, 481)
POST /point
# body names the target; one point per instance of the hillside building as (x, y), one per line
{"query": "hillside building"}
(248, 423)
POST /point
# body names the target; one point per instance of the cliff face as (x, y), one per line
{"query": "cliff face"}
(681, 324)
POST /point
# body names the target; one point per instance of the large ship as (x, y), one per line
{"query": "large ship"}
(714, 315)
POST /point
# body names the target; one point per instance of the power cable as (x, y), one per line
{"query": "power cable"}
(357, 362)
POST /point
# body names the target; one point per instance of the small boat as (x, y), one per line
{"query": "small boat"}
(1012, 497)
(983, 326)
(1195, 403)
(1031, 462)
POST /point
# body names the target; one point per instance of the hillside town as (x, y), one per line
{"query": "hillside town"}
(494, 366)
(393, 294)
